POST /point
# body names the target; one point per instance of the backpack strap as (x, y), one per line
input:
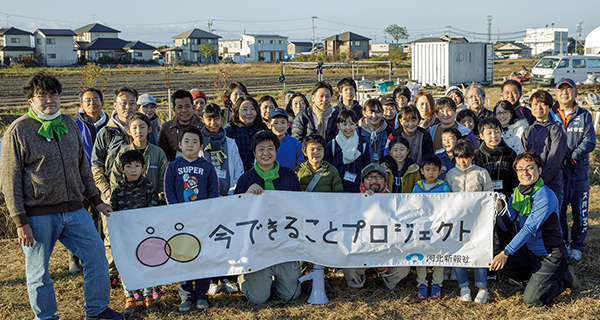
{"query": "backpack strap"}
(314, 181)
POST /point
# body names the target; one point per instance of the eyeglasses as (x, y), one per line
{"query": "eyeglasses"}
(474, 96)
(529, 169)
(44, 97)
(374, 177)
(565, 89)
(94, 100)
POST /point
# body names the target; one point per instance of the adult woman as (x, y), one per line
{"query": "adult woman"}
(513, 126)
(233, 92)
(424, 102)
(245, 122)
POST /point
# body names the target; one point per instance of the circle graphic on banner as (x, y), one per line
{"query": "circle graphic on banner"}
(183, 247)
(156, 251)
(151, 252)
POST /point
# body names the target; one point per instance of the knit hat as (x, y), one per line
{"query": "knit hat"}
(454, 88)
(370, 168)
(199, 94)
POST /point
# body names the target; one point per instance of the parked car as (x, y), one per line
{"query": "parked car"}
(552, 68)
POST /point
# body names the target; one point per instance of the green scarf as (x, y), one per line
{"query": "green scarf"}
(522, 197)
(49, 128)
(268, 176)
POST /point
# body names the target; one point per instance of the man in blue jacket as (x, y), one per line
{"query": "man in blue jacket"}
(578, 125)
(537, 252)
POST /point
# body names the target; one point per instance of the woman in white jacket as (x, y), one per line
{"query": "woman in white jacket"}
(512, 125)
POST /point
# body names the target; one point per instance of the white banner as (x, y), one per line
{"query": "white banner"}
(245, 233)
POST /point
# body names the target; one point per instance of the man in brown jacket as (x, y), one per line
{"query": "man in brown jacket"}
(45, 176)
(171, 131)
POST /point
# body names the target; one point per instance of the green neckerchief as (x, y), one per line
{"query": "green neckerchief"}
(268, 176)
(522, 202)
(49, 128)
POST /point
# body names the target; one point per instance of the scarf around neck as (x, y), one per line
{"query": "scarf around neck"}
(349, 147)
(522, 197)
(321, 116)
(215, 145)
(50, 128)
(268, 176)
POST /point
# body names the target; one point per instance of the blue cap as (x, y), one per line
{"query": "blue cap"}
(567, 81)
(277, 112)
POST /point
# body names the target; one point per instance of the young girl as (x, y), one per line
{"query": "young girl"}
(418, 138)
(200, 101)
(512, 125)
(425, 103)
(469, 119)
(390, 112)
(266, 103)
(445, 110)
(295, 105)
(245, 123)
(374, 129)
(402, 171)
(348, 152)
(230, 96)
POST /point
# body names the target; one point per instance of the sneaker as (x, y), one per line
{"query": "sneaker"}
(436, 292)
(422, 292)
(107, 314)
(576, 254)
(202, 304)
(230, 286)
(137, 296)
(156, 295)
(149, 304)
(465, 294)
(129, 305)
(185, 306)
(114, 281)
(213, 288)
(482, 296)
(575, 284)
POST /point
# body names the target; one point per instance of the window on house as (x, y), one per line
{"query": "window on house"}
(260, 41)
(138, 54)
(272, 41)
(15, 40)
(356, 43)
(39, 41)
(280, 41)
(248, 42)
(51, 55)
(50, 41)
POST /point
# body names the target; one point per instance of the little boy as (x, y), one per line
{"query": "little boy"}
(314, 174)
(467, 177)
(289, 154)
(135, 191)
(147, 105)
(496, 156)
(450, 137)
(374, 129)
(347, 90)
(191, 178)
(348, 152)
(419, 139)
(431, 167)
(390, 112)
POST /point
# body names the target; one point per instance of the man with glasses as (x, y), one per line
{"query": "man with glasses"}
(45, 176)
(578, 126)
(90, 111)
(110, 140)
(537, 252)
(476, 99)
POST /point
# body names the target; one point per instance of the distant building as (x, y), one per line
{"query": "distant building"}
(138, 50)
(95, 41)
(229, 48)
(295, 47)
(382, 49)
(346, 43)
(592, 42)
(190, 43)
(13, 43)
(263, 47)
(547, 41)
(511, 49)
(55, 47)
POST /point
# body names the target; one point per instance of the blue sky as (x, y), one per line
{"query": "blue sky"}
(155, 22)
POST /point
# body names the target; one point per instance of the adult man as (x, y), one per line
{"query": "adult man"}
(90, 111)
(44, 177)
(581, 140)
(170, 131)
(475, 100)
(511, 92)
(320, 118)
(281, 279)
(374, 181)
(537, 252)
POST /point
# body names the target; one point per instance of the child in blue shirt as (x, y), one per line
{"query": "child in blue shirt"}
(191, 178)
(289, 154)
(450, 136)
(431, 167)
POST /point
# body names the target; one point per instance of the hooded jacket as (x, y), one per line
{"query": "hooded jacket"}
(404, 183)
(171, 131)
(439, 186)
(426, 146)
(498, 163)
(94, 127)
(513, 134)
(329, 182)
(581, 136)
(466, 133)
(110, 140)
(156, 164)
(356, 107)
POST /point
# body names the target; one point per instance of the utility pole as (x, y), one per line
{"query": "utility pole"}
(210, 23)
(489, 20)
(578, 42)
(448, 32)
(313, 30)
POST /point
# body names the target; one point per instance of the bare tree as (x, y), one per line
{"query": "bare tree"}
(397, 32)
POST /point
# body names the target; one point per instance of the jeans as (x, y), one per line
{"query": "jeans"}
(75, 230)
(577, 195)
(463, 277)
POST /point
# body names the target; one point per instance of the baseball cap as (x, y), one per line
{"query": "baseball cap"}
(567, 81)
(145, 99)
(277, 112)
(388, 101)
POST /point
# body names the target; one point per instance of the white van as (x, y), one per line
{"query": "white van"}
(552, 68)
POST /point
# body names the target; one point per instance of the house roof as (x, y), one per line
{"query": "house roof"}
(196, 34)
(56, 32)
(442, 39)
(264, 35)
(13, 30)
(105, 44)
(171, 49)
(138, 45)
(16, 48)
(347, 36)
(302, 43)
(95, 27)
(509, 45)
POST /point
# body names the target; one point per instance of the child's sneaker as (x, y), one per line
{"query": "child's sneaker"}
(129, 305)
(422, 292)
(150, 305)
(137, 296)
(107, 314)
(436, 292)
(156, 295)
(213, 288)
(202, 304)
(482, 296)
(114, 281)
(465, 294)
(229, 286)
(185, 306)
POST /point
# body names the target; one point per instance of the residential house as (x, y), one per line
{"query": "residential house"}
(296, 47)
(348, 43)
(263, 47)
(229, 48)
(547, 41)
(191, 44)
(382, 49)
(55, 47)
(13, 43)
(511, 49)
(95, 41)
(140, 51)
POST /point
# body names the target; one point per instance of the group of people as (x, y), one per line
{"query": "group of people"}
(62, 177)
